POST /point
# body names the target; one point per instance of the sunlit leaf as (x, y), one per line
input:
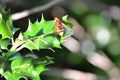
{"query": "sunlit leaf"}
(39, 35)
(5, 31)
(31, 45)
(40, 68)
(35, 28)
(9, 76)
(1, 70)
(52, 41)
(6, 27)
(40, 43)
(48, 27)
(24, 67)
(66, 22)
(21, 67)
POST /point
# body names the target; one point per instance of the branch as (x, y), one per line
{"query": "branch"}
(26, 13)
(70, 74)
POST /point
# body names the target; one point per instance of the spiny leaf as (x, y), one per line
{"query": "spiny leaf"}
(66, 22)
(52, 41)
(31, 45)
(33, 29)
(20, 62)
(6, 27)
(42, 19)
(23, 67)
(40, 68)
(48, 27)
(9, 76)
(5, 14)
(5, 31)
(41, 35)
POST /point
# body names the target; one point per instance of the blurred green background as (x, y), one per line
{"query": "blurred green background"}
(93, 51)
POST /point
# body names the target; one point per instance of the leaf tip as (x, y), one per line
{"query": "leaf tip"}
(65, 17)
(42, 18)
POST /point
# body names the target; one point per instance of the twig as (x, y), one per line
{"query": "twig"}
(70, 74)
(26, 13)
(101, 61)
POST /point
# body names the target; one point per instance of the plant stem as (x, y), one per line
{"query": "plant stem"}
(15, 44)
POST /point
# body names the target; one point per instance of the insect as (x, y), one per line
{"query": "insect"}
(58, 28)
(61, 29)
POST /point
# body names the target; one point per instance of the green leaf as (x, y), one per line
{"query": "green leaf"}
(4, 43)
(5, 14)
(64, 18)
(39, 28)
(1, 65)
(48, 27)
(43, 43)
(40, 35)
(9, 76)
(4, 31)
(31, 45)
(19, 62)
(24, 67)
(13, 55)
(1, 70)
(0, 18)
(52, 41)
(37, 43)
(6, 27)
(66, 22)
(42, 61)
(33, 29)
(40, 68)
(40, 43)
(4, 63)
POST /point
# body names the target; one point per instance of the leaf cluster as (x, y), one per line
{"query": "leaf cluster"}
(39, 35)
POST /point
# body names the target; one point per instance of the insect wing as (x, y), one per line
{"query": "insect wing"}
(61, 29)
(67, 31)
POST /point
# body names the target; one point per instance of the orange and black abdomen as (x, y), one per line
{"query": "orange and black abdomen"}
(58, 28)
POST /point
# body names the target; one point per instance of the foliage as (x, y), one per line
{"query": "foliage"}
(39, 35)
